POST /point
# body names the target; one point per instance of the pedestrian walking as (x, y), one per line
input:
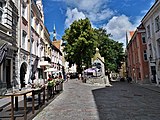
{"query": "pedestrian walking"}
(50, 85)
(79, 76)
(68, 77)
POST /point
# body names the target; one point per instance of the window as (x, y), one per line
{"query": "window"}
(34, 47)
(41, 28)
(158, 45)
(150, 50)
(1, 5)
(32, 19)
(1, 11)
(148, 31)
(23, 10)
(24, 35)
(143, 35)
(157, 24)
(145, 54)
(37, 26)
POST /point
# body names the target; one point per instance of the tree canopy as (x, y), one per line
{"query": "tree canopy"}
(82, 41)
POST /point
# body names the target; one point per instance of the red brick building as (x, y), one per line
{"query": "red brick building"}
(137, 62)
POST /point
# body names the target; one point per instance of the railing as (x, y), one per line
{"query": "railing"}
(56, 89)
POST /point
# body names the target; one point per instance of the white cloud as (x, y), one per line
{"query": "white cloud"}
(101, 15)
(72, 15)
(118, 26)
(95, 10)
(86, 5)
(58, 0)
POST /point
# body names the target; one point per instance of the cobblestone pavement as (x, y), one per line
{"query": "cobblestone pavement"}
(122, 101)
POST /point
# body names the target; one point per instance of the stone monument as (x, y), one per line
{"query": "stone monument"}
(98, 62)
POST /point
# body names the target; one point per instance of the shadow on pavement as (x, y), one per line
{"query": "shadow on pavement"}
(125, 101)
(108, 102)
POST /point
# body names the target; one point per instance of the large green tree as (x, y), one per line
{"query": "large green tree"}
(82, 40)
(81, 43)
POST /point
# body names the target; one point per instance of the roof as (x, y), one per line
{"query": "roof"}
(98, 56)
(57, 44)
(131, 33)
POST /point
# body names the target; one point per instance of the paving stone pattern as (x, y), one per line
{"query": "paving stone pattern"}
(122, 101)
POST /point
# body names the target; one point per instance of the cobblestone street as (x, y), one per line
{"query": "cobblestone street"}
(122, 101)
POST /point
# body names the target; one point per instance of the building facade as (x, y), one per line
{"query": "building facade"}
(8, 43)
(151, 22)
(137, 60)
(30, 40)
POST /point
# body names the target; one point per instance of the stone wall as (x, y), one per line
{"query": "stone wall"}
(95, 80)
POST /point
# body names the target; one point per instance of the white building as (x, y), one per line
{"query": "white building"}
(151, 22)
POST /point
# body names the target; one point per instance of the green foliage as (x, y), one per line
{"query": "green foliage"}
(80, 43)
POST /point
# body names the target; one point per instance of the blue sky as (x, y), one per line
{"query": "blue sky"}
(116, 16)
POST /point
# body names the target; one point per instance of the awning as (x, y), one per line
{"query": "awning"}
(51, 70)
(44, 63)
(91, 70)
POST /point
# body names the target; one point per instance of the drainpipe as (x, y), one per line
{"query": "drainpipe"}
(29, 31)
(19, 42)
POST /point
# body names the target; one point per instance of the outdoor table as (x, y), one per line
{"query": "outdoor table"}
(38, 91)
(23, 93)
(16, 94)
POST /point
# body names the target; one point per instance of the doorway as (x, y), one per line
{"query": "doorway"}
(8, 73)
(153, 71)
(23, 70)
